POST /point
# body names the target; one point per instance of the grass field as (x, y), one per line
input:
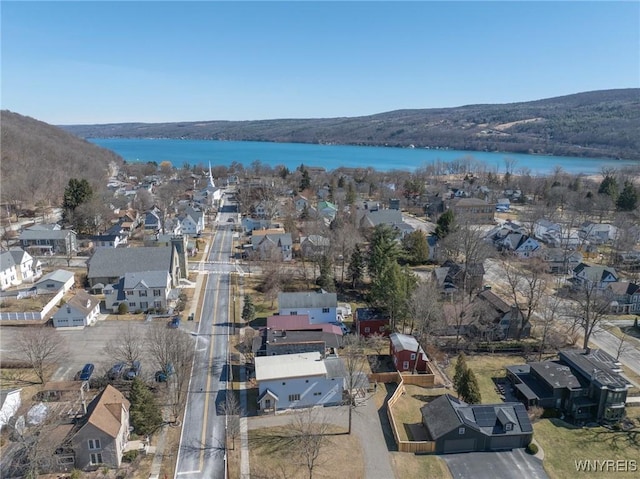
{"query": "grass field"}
(486, 367)
(424, 467)
(272, 456)
(406, 410)
(563, 444)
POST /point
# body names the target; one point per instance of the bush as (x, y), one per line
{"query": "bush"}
(76, 474)
(138, 311)
(123, 308)
(532, 448)
(130, 456)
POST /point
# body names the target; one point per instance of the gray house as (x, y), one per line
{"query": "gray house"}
(456, 426)
(271, 342)
(48, 239)
(100, 437)
(583, 384)
(108, 265)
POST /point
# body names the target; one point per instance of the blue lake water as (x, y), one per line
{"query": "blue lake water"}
(201, 152)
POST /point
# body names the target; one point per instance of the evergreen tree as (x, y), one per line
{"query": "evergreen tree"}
(469, 390)
(326, 280)
(351, 194)
(248, 310)
(341, 182)
(383, 250)
(305, 182)
(144, 413)
(444, 224)
(461, 367)
(628, 199)
(416, 247)
(356, 267)
(76, 193)
(609, 187)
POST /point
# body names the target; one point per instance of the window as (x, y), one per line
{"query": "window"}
(293, 313)
(325, 310)
(129, 293)
(66, 460)
(94, 444)
(317, 394)
(142, 293)
(405, 364)
(294, 397)
(367, 330)
(381, 328)
(460, 430)
(284, 384)
(132, 305)
(156, 292)
(413, 356)
(508, 426)
(96, 458)
(144, 305)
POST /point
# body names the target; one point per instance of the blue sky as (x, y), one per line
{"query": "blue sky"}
(102, 62)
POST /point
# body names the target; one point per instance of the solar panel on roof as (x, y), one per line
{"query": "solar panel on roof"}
(485, 416)
(523, 418)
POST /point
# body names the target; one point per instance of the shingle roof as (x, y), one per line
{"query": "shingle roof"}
(6, 260)
(83, 302)
(623, 287)
(59, 275)
(18, 255)
(45, 234)
(115, 262)
(105, 411)
(307, 299)
(147, 279)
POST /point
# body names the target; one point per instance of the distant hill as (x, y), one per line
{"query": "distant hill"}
(38, 159)
(596, 124)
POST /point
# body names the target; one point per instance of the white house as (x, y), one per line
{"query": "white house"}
(192, 221)
(522, 245)
(8, 272)
(10, 402)
(298, 380)
(585, 274)
(80, 311)
(320, 307)
(598, 233)
(140, 291)
(55, 281)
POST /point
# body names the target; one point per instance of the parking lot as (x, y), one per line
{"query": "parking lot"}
(87, 346)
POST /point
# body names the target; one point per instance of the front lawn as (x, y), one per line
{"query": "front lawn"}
(407, 465)
(564, 444)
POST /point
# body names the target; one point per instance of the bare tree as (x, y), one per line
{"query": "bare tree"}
(42, 347)
(172, 350)
(310, 432)
(127, 347)
(356, 365)
(231, 409)
(528, 283)
(425, 309)
(550, 308)
(590, 309)
(378, 342)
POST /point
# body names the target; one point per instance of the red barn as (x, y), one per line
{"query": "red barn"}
(407, 354)
(370, 321)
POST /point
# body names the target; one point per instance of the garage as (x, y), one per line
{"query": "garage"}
(459, 445)
(504, 443)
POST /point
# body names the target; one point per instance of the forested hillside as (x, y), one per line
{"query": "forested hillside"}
(596, 124)
(39, 159)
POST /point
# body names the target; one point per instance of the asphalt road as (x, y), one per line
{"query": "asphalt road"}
(201, 452)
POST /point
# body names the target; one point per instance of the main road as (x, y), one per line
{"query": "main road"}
(201, 453)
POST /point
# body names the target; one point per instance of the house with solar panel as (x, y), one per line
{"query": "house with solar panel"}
(456, 426)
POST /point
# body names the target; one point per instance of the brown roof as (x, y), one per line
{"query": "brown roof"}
(105, 411)
(272, 231)
(84, 302)
(495, 301)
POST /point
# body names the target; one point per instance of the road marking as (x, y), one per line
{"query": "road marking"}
(189, 472)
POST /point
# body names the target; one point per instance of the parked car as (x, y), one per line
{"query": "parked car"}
(116, 371)
(175, 323)
(343, 327)
(164, 374)
(134, 371)
(86, 372)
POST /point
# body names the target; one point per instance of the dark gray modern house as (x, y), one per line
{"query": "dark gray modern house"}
(584, 384)
(272, 342)
(456, 426)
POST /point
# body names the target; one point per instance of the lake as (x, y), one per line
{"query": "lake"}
(201, 152)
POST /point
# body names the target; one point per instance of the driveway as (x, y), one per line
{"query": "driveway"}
(495, 465)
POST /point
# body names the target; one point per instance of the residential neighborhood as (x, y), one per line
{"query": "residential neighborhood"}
(417, 328)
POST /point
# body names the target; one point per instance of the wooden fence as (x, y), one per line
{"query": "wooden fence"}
(406, 446)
